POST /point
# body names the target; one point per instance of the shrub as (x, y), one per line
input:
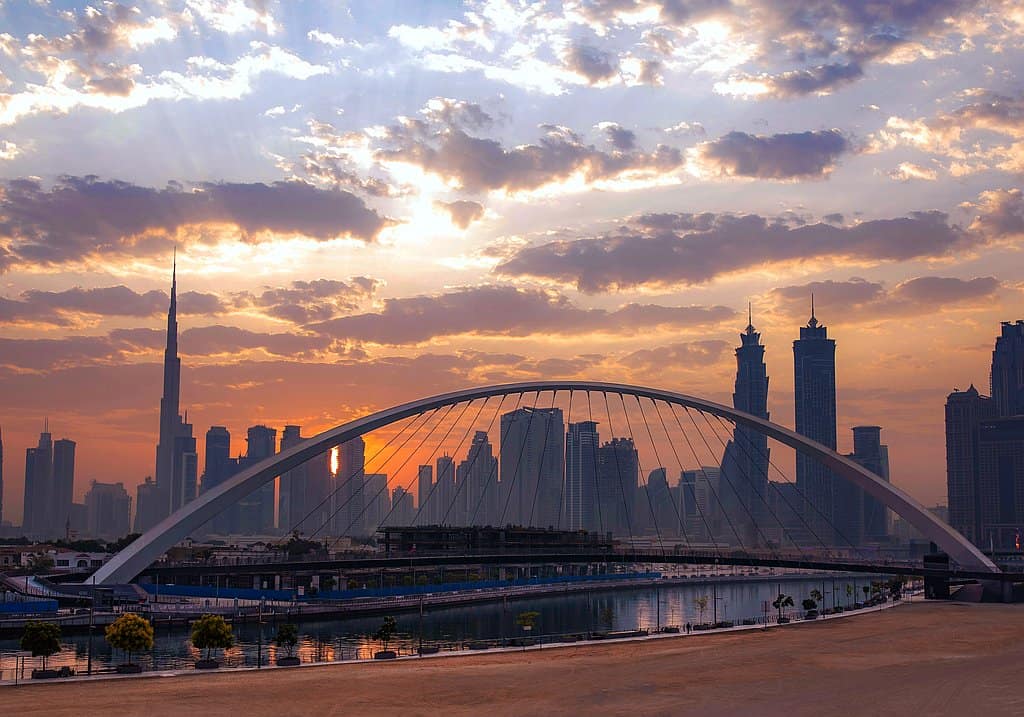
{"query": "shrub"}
(287, 638)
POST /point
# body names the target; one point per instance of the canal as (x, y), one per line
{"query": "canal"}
(457, 627)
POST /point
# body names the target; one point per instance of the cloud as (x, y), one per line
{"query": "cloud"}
(689, 249)
(508, 311)
(303, 302)
(620, 138)
(778, 156)
(8, 150)
(299, 303)
(479, 164)
(999, 214)
(325, 38)
(594, 65)
(678, 355)
(819, 80)
(234, 16)
(907, 171)
(462, 212)
(862, 300)
(72, 83)
(81, 217)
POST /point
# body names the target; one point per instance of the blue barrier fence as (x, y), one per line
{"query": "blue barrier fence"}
(209, 591)
(27, 607)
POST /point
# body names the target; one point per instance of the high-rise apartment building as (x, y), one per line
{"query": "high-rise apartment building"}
(532, 466)
(218, 466)
(107, 507)
(985, 450)
(1, 477)
(1007, 376)
(581, 444)
(478, 483)
(292, 488)
(403, 508)
(377, 503)
(869, 452)
(444, 491)
(63, 488)
(349, 496)
(618, 477)
(424, 489)
(256, 510)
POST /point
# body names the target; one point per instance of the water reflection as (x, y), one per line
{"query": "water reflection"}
(579, 613)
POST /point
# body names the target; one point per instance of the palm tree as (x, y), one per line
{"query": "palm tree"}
(849, 594)
(817, 597)
(781, 602)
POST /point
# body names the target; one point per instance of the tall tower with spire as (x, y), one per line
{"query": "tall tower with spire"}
(829, 511)
(175, 452)
(745, 463)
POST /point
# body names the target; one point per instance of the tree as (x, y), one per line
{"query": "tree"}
(327, 582)
(42, 639)
(866, 589)
(527, 620)
(782, 602)
(386, 631)
(608, 617)
(287, 637)
(816, 596)
(211, 632)
(130, 633)
(40, 562)
(119, 545)
(809, 604)
(701, 603)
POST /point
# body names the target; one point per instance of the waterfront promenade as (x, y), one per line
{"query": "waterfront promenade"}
(933, 658)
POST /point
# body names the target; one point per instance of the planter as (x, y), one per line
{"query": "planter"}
(479, 646)
(129, 669)
(385, 655)
(207, 664)
(288, 661)
(670, 628)
(45, 674)
(783, 620)
(749, 621)
(425, 650)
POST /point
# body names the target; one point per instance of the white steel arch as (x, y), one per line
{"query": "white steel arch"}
(135, 558)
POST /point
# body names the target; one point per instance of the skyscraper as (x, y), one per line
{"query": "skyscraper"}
(176, 464)
(107, 508)
(745, 462)
(965, 410)
(444, 491)
(532, 465)
(256, 510)
(867, 451)
(377, 501)
(1001, 482)
(478, 489)
(618, 476)
(424, 488)
(38, 486)
(349, 498)
(814, 362)
(581, 442)
(63, 490)
(403, 509)
(218, 466)
(1007, 377)
(292, 491)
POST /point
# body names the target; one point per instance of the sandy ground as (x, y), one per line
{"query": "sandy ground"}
(924, 659)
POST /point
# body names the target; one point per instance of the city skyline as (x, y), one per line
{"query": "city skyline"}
(387, 199)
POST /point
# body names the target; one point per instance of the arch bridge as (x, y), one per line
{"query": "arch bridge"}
(148, 547)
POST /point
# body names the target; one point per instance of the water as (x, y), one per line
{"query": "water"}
(330, 640)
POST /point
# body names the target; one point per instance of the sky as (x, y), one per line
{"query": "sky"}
(377, 201)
